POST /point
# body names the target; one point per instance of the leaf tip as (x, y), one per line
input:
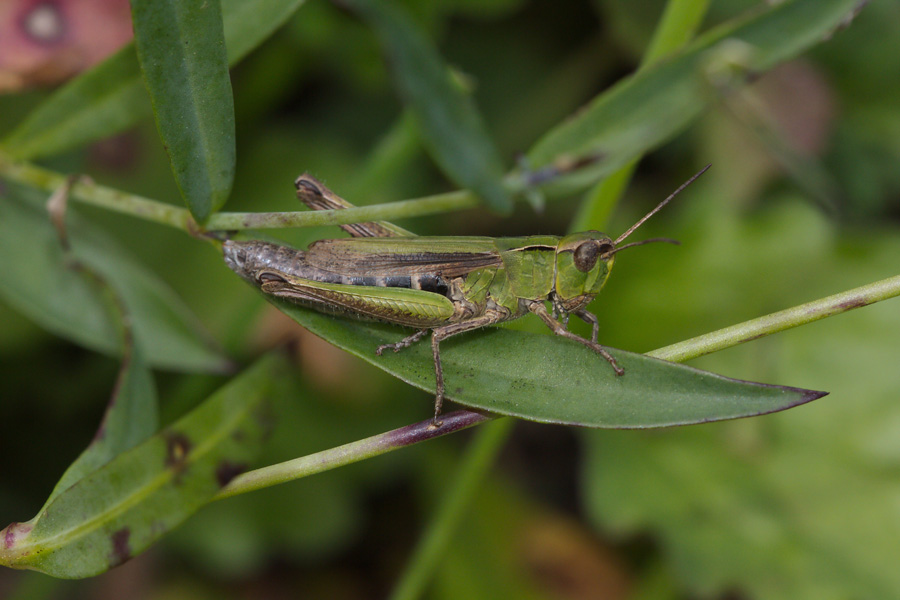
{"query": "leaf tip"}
(810, 395)
(800, 396)
(178, 446)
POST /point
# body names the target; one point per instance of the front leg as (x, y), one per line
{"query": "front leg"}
(592, 319)
(558, 328)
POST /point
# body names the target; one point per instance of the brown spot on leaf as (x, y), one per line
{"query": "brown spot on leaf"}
(121, 550)
(227, 470)
(178, 446)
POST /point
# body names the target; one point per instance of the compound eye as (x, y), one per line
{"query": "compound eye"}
(586, 256)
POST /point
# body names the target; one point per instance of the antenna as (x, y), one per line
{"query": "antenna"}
(660, 205)
(641, 243)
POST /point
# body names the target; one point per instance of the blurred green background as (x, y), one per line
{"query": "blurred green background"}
(803, 201)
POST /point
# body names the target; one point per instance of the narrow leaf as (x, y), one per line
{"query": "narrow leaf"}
(36, 280)
(131, 417)
(110, 97)
(553, 380)
(653, 105)
(181, 48)
(449, 122)
(120, 509)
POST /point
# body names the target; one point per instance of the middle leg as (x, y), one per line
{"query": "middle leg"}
(439, 334)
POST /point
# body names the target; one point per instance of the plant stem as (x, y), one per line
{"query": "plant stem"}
(349, 453)
(88, 192)
(481, 454)
(779, 321)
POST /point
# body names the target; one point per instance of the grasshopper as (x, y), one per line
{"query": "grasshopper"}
(445, 285)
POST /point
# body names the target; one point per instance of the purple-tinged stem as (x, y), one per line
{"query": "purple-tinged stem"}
(350, 453)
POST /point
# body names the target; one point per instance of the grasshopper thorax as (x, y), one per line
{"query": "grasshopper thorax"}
(583, 263)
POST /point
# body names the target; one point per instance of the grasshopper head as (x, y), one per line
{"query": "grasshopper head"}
(583, 262)
(238, 258)
(249, 258)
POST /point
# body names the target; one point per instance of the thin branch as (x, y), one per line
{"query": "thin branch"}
(779, 321)
(349, 453)
(88, 192)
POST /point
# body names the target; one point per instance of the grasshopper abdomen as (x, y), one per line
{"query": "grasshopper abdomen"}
(250, 259)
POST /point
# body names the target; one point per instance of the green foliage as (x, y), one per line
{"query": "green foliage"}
(794, 505)
(170, 335)
(448, 119)
(132, 416)
(181, 48)
(645, 110)
(586, 392)
(106, 514)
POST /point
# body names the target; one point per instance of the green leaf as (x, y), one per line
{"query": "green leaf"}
(120, 509)
(132, 416)
(110, 97)
(449, 122)
(103, 101)
(553, 380)
(181, 48)
(653, 105)
(36, 280)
